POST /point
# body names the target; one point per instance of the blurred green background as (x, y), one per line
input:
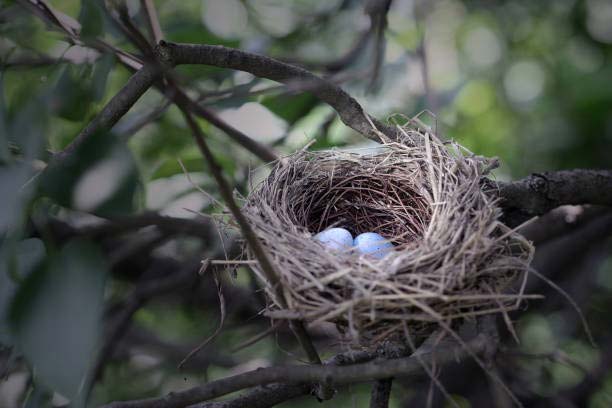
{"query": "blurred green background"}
(529, 82)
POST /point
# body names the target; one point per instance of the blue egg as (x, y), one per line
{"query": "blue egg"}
(337, 239)
(372, 244)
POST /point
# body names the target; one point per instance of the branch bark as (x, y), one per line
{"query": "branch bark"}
(262, 151)
(305, 374)
(118, 106)
(261, 397)
(249, 234)
(541, 192)
(349, 110)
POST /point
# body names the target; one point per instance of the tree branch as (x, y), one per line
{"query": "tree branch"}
(198, 227)
(260, 150)
(541, 192)
(118, 106)
(349, 110)
(378, 10)
(248, 234)
(270, 395)
(305, 374)
(153, 21)
(261, 397)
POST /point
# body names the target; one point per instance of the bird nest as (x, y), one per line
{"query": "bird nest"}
(453, 259)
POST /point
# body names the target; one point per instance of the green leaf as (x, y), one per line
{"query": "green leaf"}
(100, 75)
(4, 150)
(91, 19)
(79, 86)
(38, 398)
(73, 94)
(28, 127)
(56, 316)
(290, 108)
(100, 176)
(17, 261)
(15, 192)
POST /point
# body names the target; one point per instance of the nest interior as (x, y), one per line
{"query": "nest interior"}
(453, 259)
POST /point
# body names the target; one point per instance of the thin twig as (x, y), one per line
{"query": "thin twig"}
(421, 50)
(154, 26)
(139, 296)
(222, 314)
(378, 10)
(262, 151)
(126, 130)
(247, 231)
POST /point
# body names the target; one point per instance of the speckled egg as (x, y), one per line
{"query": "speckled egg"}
(337, 239)
(372, 244)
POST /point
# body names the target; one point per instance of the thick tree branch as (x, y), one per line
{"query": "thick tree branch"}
(541, 192)
(197, 227)
(117, 106)
(306, 374)
(349, 110)
(261, 397)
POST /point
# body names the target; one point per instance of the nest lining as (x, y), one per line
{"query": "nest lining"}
(453, 259)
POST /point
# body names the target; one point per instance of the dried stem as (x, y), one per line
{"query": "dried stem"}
(247, 232)
(153, 20)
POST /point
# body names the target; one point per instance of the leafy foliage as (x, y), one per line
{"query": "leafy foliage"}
(55, 316)
(526, 81)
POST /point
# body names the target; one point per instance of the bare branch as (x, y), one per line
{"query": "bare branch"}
(120, 17)
(131, 125)
(541, 192)
(430, 97)
(116, 107)
(153, 20)
(198, 227)
(260, 150)
(71, 28)
(261, 397)
(270, 395)
(248, 234)
(378, 9)
(349, 110)
(305, 374)
(27, 62)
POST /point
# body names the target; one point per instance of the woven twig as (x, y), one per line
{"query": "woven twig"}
(452, 257)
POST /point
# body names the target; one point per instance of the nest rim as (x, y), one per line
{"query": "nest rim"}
(457, 262)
